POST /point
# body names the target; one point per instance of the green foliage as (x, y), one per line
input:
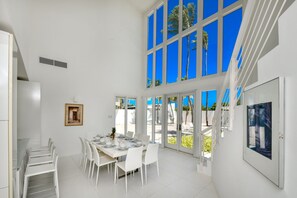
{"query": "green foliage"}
(207, 144)
(187, 142)
(212, 108)
(149, 83)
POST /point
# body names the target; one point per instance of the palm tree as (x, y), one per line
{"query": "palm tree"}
(170, 100)
(188, 17)
(205, 48)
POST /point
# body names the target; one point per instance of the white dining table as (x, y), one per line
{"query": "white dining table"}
(114, 151)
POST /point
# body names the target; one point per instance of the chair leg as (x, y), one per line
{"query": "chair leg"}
(97, 175)
(115, 173)
(126, 182)
(108, 168)
(92, 174)
(57, 184)
(145, 172)
(25, 187)
(141, 176)
(86, 163)
(90, 168)
(158, 168)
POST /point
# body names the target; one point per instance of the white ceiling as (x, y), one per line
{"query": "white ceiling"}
(143, 5)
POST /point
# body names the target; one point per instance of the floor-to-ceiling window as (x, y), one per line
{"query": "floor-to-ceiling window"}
(190, 39)
(125, 114)
(193, 40)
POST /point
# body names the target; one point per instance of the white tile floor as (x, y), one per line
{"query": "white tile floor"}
(178, 178)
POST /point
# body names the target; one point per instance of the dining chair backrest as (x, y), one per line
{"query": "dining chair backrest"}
(145, 139)
(49, 142)
(130, 134)
(151, 154)
(138, 136)
(134, 158)
(83, 148)
(54, 153)
(56, 161)
(52, 147)
(89, 151)
(95, 154)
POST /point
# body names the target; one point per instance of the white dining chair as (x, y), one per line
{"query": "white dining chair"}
(83, 152)
(42, 153)
(42, 148)
(42, 160)
(145, 140)
(40, 170)
(138, 136)
(133, 162)
(151, 156)
(130, 134)
(100, 160)
(89, 157)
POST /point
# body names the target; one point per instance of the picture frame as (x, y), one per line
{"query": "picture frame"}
(263, 138)
(73, 114)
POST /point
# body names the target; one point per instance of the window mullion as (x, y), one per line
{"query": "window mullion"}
(180, 26)
(220, 39)
(165, 16)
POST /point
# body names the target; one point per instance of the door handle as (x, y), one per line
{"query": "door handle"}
(179, 127)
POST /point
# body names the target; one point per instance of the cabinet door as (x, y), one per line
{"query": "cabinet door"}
(4, 193)
(3, 76)
(3, 154)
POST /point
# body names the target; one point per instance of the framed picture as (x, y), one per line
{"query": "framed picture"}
(73, 114)
(263, 142)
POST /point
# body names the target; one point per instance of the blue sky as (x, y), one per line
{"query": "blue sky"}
(231, 25)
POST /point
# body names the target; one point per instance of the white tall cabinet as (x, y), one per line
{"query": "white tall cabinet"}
(6, 91)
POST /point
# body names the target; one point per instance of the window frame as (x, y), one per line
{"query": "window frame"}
(126, 112)
(198, 27)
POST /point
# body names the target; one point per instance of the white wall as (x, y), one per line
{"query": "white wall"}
(29, 112)
(232, 176)
(102, 43)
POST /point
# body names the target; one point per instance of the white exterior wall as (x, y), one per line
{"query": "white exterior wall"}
(232, 176)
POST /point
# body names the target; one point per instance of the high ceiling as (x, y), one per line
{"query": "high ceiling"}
(143, 5)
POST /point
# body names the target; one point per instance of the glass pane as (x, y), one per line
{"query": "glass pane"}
(189, 56)
(208, 106)
(173, 18)
(210, 49)
(172, 62)
(189, 13)
(131, 114)
(210, 7)
(231, 25)
(150, 32)
(149, 70)
(229, 2)
(149, 117)
(120, 115)
(172, 105)
(158, 119)
(160, 25)
(187, 133)
(159, 67)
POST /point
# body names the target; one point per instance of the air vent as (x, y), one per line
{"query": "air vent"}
(52, 62)
(60, 64)
(46, 61)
